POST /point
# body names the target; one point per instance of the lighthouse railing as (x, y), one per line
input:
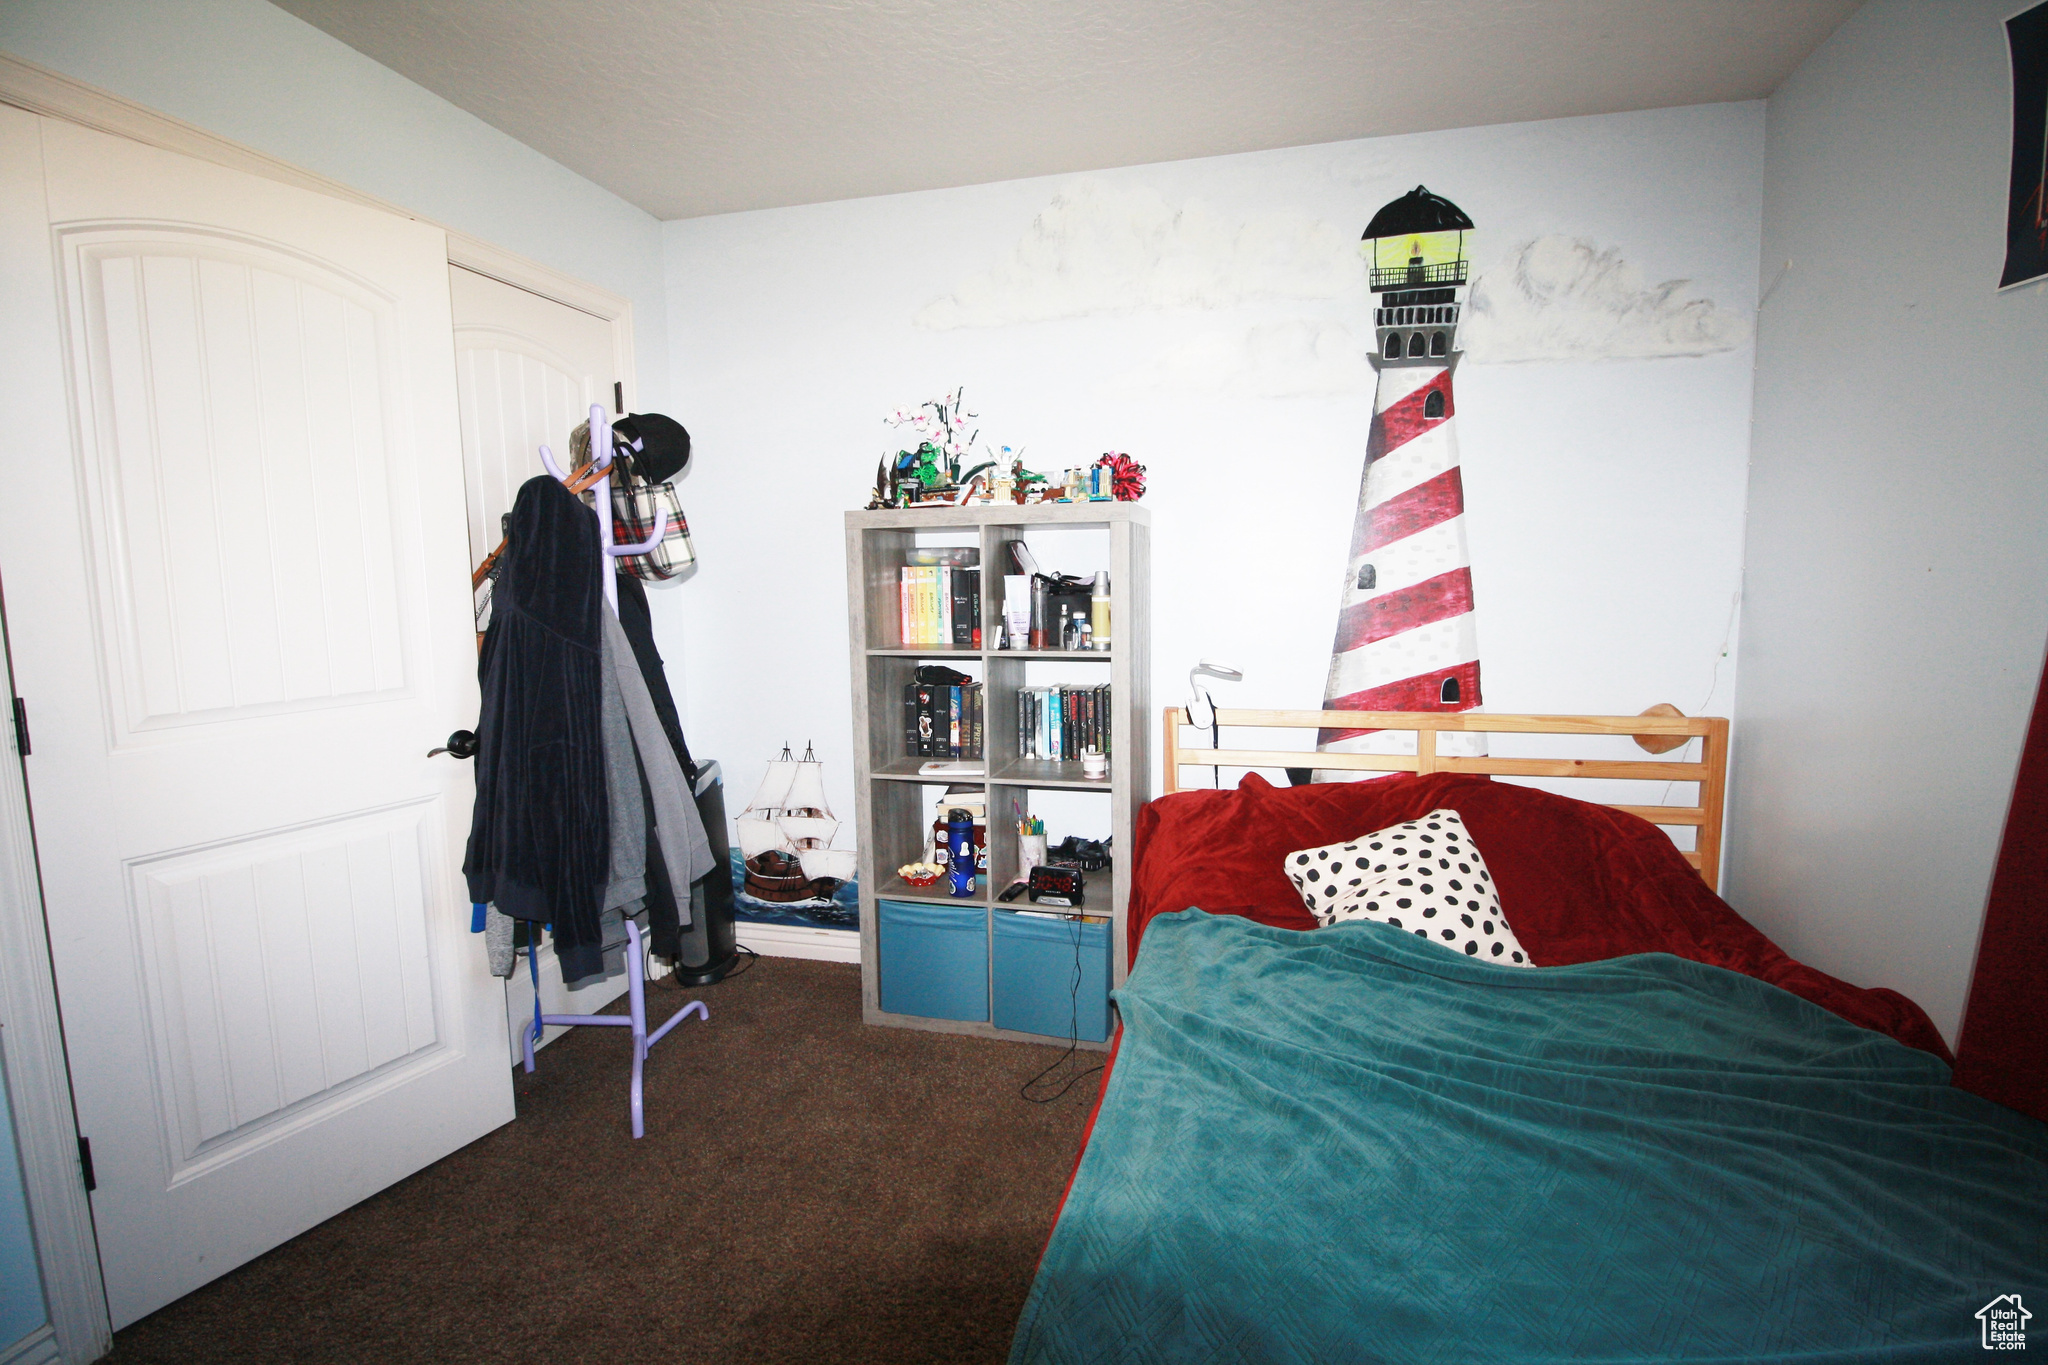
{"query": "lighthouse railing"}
(1413, 276)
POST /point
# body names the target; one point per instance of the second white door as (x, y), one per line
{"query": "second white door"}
(527, 370)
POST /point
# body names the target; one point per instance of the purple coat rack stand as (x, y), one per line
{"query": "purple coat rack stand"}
(635, 1017)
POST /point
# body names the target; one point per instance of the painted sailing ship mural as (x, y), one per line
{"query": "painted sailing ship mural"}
(1406, 632)
(786, 835)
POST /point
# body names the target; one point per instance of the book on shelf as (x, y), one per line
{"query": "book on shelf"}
(943, 715)
(912, 605)
(971, 797)
(917, 585)
(964, 600)
(917, 701)
(938, 599)
(1059, 724)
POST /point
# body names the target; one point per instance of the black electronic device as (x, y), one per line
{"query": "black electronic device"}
(1090, 855)
(1057, 886)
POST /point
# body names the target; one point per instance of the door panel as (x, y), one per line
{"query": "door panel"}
(282, 971)
(240, 453)
(240, 617)
(527, 370)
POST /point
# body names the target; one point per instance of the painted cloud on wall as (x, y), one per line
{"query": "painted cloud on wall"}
(1550, 299)
(1562, 298)
(1100, 249)
(1296, 359)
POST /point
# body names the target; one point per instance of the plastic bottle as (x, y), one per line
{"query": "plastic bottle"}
(1017, 610)
(1098, 610)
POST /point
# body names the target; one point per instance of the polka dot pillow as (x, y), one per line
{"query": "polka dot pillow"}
(1425, 876)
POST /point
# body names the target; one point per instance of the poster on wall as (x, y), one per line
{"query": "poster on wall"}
(2026, 220)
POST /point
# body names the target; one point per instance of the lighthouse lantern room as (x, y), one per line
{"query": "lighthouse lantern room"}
(1417, 249)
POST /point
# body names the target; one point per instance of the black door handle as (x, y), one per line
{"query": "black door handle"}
(461, 744)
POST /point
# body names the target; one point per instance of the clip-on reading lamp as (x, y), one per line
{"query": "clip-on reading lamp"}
(1201, 704)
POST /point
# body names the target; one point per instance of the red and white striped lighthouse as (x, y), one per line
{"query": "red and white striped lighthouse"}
(1406, 635)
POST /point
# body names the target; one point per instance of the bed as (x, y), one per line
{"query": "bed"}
(1668, 1141)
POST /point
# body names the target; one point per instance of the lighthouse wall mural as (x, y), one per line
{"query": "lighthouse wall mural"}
(1406, 633)
(1216, 319)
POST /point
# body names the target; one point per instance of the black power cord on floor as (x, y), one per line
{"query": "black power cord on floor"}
(1073, 1035)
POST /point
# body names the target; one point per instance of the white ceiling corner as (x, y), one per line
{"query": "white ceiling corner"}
(690, 107)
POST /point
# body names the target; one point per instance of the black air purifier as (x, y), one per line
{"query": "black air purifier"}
(709, 938)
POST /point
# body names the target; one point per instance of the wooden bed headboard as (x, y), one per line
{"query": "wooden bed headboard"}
(1710, 770)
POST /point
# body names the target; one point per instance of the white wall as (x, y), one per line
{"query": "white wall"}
(251, 72)
(1606, 496)
(1894, 616)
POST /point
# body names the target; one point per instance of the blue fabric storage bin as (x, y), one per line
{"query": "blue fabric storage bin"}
(934, 959)
(1034, 977)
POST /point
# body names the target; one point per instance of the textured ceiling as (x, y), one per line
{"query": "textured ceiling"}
(688, 107)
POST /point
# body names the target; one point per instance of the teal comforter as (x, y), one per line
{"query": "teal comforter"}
(1352, 1145)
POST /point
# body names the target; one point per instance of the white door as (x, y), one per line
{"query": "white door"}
(234, 559)
(527, 370)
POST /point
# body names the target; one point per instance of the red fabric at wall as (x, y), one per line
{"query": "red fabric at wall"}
(1577, 882)
(2003, 1053)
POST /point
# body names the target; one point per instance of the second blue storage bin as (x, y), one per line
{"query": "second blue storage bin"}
(934, 959)
(1033, 976)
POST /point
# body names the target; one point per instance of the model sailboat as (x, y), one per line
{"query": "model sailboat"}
(786, 834)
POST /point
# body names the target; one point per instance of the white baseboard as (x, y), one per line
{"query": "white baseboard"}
(792, 940)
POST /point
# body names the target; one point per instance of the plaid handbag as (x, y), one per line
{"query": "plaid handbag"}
(636, 506)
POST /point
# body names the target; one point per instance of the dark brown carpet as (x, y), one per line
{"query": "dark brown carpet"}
(809, 1189)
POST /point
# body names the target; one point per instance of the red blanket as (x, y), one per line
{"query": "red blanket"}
(1578, 882)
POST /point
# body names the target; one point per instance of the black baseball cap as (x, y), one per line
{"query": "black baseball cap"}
(660, 446)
